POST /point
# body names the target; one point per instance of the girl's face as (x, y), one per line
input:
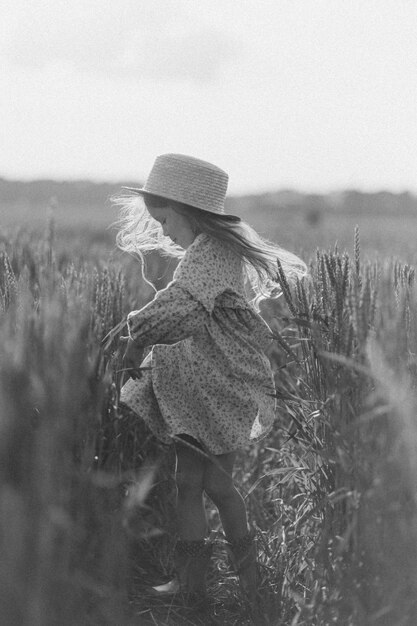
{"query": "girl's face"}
(174, 225)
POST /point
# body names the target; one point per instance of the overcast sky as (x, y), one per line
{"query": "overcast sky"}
(316, 95)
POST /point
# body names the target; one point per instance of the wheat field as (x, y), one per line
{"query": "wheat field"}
(87, 495)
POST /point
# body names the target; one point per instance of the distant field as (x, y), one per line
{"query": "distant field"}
(385, 235)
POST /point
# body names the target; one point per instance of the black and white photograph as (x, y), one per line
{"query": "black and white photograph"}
(208, 313)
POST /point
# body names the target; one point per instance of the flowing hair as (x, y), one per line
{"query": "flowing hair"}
(139, 233)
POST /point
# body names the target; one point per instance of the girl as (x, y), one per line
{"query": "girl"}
(209, 389)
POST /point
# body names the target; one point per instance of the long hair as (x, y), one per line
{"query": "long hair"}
(139, 233)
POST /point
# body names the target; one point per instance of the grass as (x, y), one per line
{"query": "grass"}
(86, 515)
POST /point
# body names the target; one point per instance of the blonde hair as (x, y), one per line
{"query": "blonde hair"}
(139, 233)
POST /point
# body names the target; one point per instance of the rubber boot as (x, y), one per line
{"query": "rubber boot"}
(191, 560)
(243, 555)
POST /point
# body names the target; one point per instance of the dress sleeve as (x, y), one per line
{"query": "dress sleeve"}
(173, 315)
(207, 270)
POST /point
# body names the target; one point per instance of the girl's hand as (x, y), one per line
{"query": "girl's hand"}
(132, 358)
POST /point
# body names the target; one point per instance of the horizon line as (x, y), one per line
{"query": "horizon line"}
(260, 192)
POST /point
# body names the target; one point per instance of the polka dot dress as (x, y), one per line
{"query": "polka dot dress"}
(209, 376)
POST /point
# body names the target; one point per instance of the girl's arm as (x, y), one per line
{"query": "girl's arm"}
(206, 270)
(173, 315)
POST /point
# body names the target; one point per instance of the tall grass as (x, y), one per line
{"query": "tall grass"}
(349, 458)
(63, 514)
(86, 492)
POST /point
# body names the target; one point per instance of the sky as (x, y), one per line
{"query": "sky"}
(314, 95)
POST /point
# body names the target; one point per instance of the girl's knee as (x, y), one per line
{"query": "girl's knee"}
(220, 492)
(189, 484)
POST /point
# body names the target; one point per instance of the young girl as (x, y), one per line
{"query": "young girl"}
(209, 389)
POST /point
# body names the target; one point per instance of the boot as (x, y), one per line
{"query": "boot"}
(191, 559)
(243, 556)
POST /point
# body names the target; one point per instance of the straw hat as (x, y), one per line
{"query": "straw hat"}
(188, 180)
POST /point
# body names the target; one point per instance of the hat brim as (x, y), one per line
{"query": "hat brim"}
(228, 217)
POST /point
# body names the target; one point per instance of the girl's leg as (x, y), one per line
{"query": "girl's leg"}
(192, 552)
(191, 516)
(218, 485)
